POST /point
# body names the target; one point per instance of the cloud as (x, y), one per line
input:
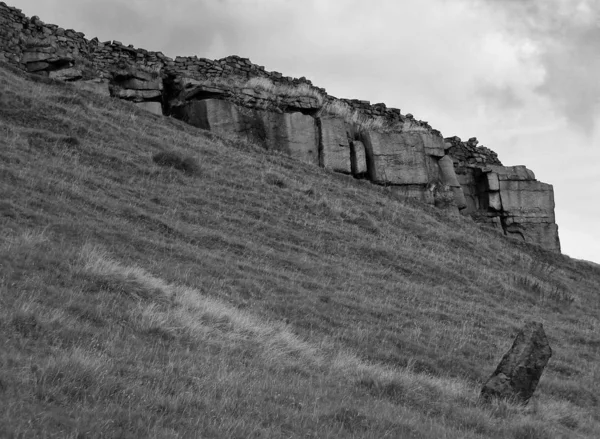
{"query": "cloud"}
(566, 38)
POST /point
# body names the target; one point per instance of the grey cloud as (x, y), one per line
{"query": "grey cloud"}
(503, 97)
(567, 32)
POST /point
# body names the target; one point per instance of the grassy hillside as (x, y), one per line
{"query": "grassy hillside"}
(255, 296)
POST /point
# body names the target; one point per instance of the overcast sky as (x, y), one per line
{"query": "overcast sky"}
(523, 76)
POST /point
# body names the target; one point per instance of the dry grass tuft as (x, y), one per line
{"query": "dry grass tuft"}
(354, 117)
(176, 160)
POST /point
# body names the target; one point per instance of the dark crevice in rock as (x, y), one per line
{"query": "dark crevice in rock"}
(319, 123)
(306, 111)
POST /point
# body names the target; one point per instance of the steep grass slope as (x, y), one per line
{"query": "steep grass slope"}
(255, 296)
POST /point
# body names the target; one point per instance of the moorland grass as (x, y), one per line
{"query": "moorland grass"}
(261, 297)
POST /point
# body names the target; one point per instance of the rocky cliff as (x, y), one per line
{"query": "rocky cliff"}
(233, 95)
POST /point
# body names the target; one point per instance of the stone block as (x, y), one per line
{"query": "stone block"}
(335, 146)
(396, 158)
(358, 158)
(152, 107)
(296, 135)
(447, 172)
(293, 133)
(512, 172)
(492, 181)
(535, 231)
(494, 201)
(138, 84)
(521, 197)
(434, 145)
(459, 198)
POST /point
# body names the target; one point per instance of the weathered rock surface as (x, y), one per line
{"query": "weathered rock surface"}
(335, 144)
(519, 371)
(449, 178)
(396, 158)
(507, 197)
(358, 158)
(286, 114)
(293, 133)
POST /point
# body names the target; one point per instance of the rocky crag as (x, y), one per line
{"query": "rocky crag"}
(233, 95)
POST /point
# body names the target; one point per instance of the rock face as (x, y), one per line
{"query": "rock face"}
(506, 197)
(291, 115)
(335, 139)
(292, 133)
(519, 371)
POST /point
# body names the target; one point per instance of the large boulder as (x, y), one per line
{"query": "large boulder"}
(398, 158)
(523, 206)
(335, 146)
(293, 133)
(519, 371)
(527, 198)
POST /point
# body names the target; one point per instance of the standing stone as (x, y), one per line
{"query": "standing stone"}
(520, 370)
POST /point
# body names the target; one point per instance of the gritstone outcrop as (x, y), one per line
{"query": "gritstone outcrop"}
(233, 95)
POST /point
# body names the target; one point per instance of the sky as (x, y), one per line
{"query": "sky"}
(520, 75)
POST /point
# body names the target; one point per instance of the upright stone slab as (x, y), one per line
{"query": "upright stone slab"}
(335, 146)
(519, 371)
(211, 114)
(449, 178)
(468, 184)
(299, 137)
(358, 158)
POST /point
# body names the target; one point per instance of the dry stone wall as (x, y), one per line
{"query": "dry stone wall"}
(355, 137)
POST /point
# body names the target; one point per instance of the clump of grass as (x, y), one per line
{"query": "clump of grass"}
(275, 180)
(261, 84)
(545, 291)
(302, 90)
(176, 160)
